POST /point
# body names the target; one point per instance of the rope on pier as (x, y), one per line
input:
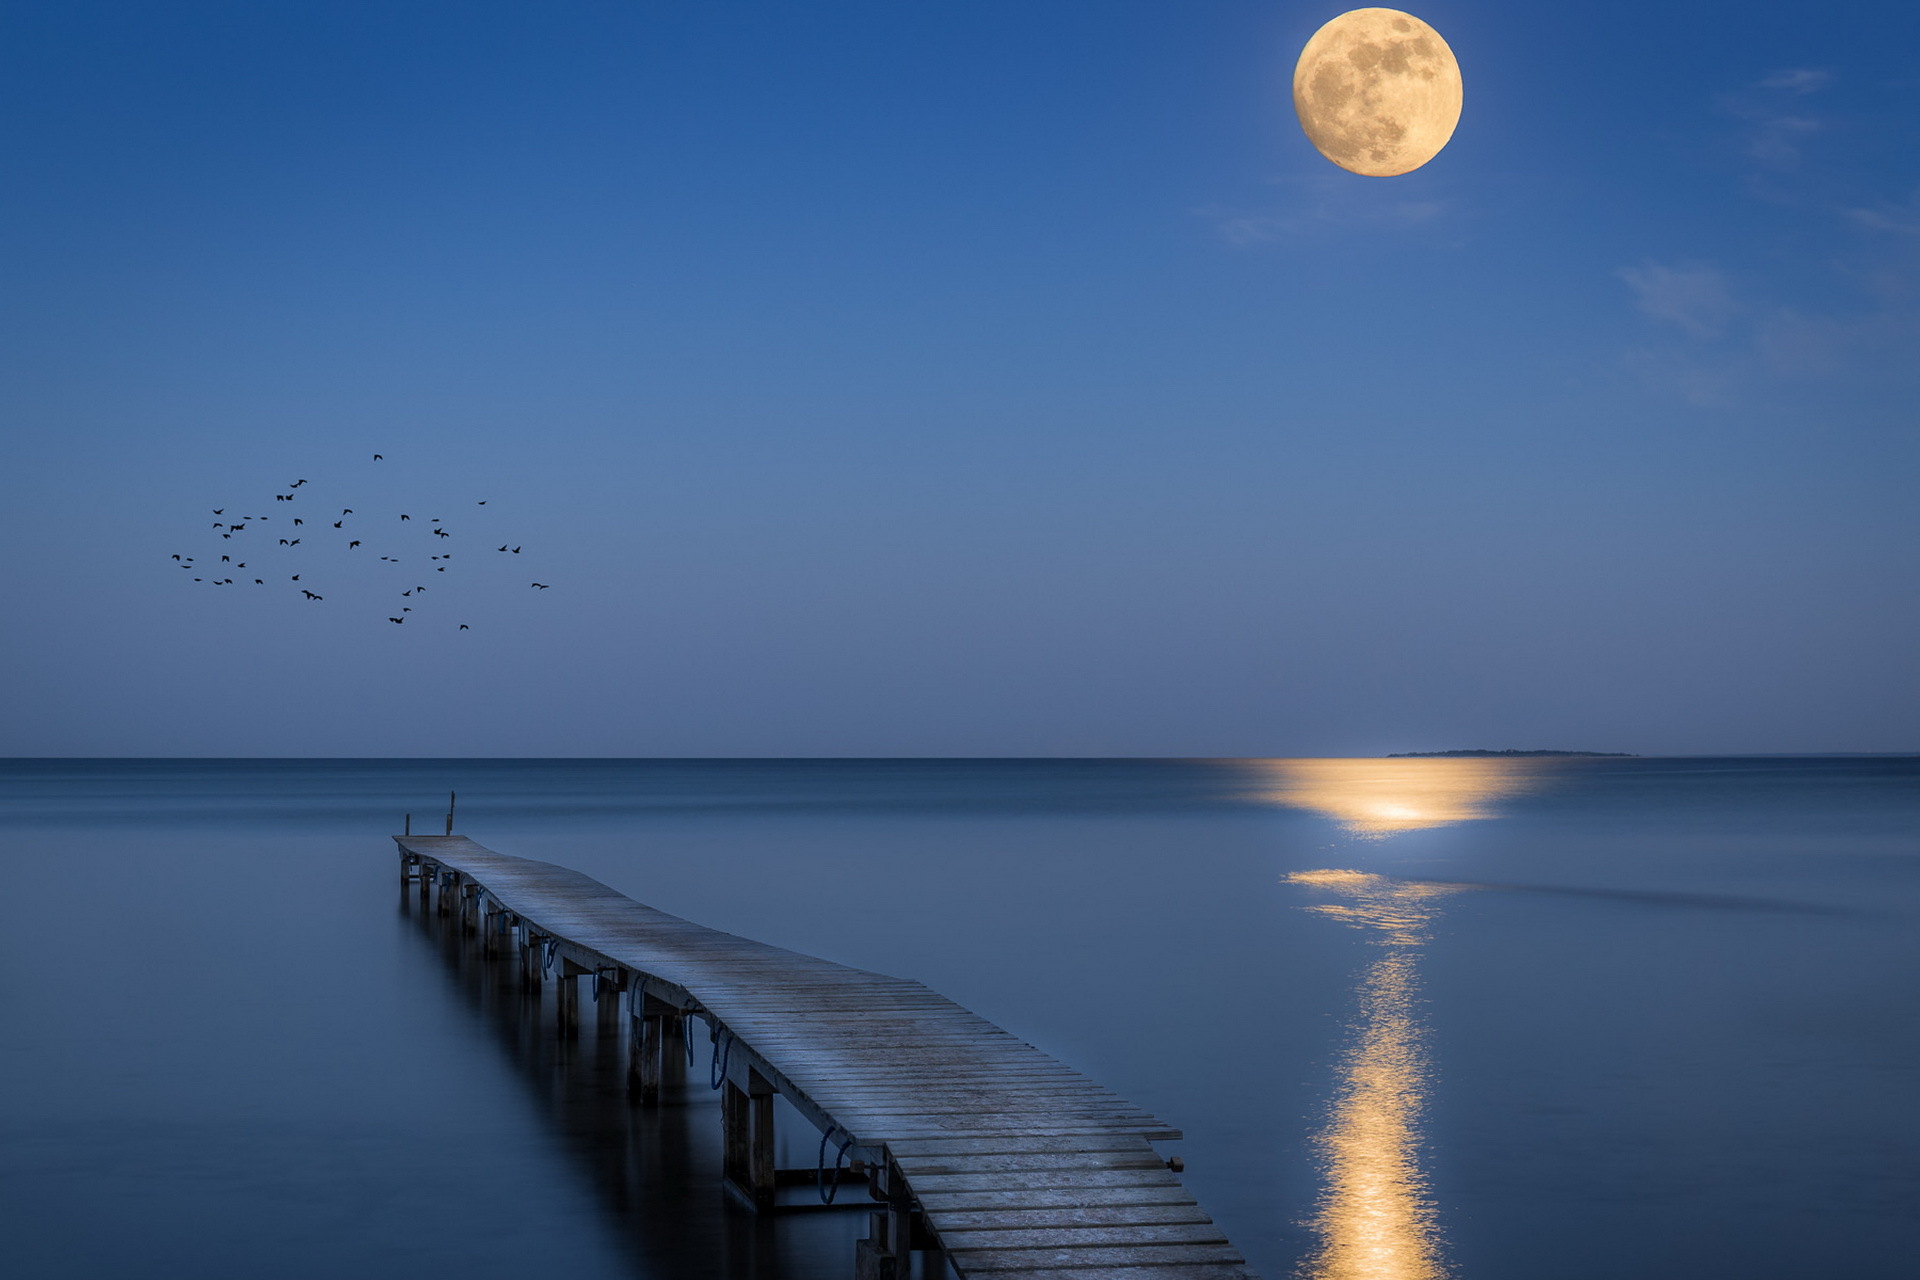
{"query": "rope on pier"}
(829, 1190)
(718, 1067)
(553, 949)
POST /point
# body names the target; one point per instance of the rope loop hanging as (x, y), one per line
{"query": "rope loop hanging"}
(717, 1069)
(553, 951)
(828, 1190)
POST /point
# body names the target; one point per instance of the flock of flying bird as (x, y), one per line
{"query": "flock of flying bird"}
(232, 527)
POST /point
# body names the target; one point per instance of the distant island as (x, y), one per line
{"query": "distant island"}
(1419, 755)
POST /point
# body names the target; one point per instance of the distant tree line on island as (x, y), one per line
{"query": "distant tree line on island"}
(1412, 755)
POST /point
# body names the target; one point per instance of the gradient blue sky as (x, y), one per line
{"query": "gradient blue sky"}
(960, 378)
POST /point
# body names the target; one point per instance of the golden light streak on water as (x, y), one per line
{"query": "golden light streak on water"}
(1375, 1218)
(1377, 798)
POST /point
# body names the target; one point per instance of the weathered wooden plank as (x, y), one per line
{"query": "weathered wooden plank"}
(1005, 1146)
(1002, 1179)
(1003, 1218)
(1191, 1271)
(985, 1260)
(999, 1197)
(958, 1241)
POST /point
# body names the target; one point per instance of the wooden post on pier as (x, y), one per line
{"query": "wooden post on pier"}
(644, 1057)
(490, 920)
(425, 877)
(606, 1004)
(760, 1174)
(736, 1129)
(568, 980)
(887, 1252)
(406, 873)
(532, 956)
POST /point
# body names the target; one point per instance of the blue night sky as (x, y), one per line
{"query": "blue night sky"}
(954, 378)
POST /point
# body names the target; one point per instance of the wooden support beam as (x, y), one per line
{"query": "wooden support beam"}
(606, 1004)
(568, 981)
(735, 1133)
(532, 959)
(760, 1179)
(644, 1056)
(887, 1251)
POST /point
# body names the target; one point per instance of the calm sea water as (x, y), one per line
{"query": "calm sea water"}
(1488, 1020)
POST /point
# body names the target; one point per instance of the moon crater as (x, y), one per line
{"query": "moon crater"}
(1377, 91)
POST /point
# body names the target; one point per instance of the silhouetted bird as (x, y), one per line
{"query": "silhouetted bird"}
(503, 548)
(227, 558)
(464, 626)
(283, 542)
(226, 535)
(406, 593)
(347, 512)
(295, 578)
(309, 595)
(377, 458)
(241, 565)
(541, 585)
(258, 583)
(405, 609)
(297, 522)
(219, 511)
(296, 484)
(294, 543)
(219, 524)
(405, 516)
(441, 533)
(396, 619)
(176, 557)
(353, 544)
(338, 523)
(483, 502)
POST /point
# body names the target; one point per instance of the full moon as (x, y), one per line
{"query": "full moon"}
(1377, 91)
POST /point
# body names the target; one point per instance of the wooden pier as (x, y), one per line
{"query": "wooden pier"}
(956, 1135)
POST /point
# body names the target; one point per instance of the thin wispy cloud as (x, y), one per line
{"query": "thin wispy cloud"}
(1776, 134)
(1798, 79)
(1311, 206)
(1734, 335)
(1692, 297)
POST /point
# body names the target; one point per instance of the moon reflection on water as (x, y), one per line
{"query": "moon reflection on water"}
(1375, 1218)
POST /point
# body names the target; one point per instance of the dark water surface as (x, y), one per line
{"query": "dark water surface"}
(1490, 1020)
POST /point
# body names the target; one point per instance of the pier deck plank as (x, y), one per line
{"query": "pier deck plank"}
(1019, 1165)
